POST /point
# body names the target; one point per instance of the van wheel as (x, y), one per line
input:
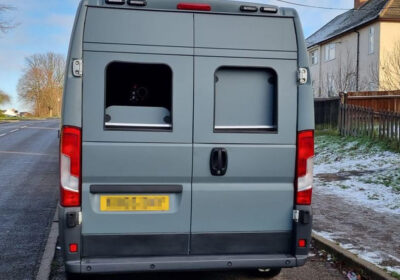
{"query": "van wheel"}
(268, 272)
(73, 276)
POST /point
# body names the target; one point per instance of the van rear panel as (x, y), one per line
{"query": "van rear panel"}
(189, 126)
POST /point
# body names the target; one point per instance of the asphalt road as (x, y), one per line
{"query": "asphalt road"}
(28, 194)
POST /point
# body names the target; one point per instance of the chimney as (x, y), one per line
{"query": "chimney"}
(359, 3)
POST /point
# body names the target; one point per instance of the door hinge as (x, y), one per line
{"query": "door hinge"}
(77, 67)
(296, 215)
(303, 76)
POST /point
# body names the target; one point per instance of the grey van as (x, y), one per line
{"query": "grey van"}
(187, 138)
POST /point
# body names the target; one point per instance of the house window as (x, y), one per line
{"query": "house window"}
(314, 57)
(330, 52)
(371, 40)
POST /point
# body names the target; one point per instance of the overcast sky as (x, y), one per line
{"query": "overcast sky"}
(45, 25)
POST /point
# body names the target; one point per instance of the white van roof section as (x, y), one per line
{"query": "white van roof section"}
(204, 6)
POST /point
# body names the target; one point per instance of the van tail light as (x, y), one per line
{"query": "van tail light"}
(194, 7)
(304, 166)
(70, 166)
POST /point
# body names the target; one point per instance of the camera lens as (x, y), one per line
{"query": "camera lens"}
(142, 92)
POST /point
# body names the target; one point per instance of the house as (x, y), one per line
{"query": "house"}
(24, 114)
(10, 113)
(354, 51)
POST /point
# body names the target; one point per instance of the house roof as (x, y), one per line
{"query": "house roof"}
(392, 11)
(354, 18)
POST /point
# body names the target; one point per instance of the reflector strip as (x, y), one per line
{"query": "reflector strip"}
(73, 248)
(194, 6)
(302, 243)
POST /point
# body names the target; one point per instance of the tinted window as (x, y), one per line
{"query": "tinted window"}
(138, 95)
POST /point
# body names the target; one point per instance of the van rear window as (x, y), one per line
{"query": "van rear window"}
(245, 99)
(138, 96)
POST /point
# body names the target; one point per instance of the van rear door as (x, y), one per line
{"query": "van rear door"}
(244, 134)
(137, 140)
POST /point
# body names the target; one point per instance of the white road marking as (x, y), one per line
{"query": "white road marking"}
(8, 127)
(42, 127)
(3, 134)
(24, 126)
(14, 130)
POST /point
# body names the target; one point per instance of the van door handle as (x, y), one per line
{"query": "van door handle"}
(218, 161)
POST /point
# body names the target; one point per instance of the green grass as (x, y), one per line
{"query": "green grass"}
(330, 147)
(3, 118)
(365, 141)
(395, 275)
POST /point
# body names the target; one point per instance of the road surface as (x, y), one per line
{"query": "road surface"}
(28, 194)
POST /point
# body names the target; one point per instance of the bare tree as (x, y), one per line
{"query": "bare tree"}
(390, 69)
(41, 85)
(4, 97)
(342, 77)
(5, 24)
(345, 78)
(370, 82)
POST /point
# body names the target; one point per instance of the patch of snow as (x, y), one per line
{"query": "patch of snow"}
(364, 173)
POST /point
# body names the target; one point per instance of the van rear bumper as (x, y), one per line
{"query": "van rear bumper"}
(212, 262)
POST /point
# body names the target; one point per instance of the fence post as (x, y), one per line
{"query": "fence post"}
(379, 124)
(397, 123)
(340, 119)
(372, 120)
(383, 124)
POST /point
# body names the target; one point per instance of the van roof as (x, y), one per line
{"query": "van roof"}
(217, 6)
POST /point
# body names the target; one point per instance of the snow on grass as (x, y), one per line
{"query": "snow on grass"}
(359, 171)
(362, 173)
(380, 259)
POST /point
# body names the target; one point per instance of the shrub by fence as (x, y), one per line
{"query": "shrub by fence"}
(326, 112)
(361, 121)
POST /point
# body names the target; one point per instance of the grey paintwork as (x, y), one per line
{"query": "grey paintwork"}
(93, 98)
(252, 197)
(258, 188)
(138, 28)
(204, 91)
(72, 100)
(144, 163)
(244, 97)
(231, 32)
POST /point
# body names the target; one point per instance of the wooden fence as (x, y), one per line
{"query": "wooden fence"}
(326, 112)
(378, 100)
(361, 121)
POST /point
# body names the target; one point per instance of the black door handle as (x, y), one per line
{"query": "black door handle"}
(218, 161)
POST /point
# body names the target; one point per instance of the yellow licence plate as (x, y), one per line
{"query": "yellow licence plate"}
(134, 203)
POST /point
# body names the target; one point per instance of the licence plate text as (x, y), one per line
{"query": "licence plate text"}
(134, 203)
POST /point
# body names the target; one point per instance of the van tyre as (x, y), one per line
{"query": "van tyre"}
(73, 276)
(267, 272)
